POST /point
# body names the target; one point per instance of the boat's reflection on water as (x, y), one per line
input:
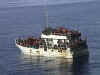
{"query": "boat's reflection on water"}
(80, 66)
(55, 66)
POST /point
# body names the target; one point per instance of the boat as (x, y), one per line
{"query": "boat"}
(55, 42)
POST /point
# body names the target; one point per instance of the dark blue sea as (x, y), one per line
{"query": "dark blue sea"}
(24, 18)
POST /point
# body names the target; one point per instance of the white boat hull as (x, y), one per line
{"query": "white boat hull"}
(48, 53)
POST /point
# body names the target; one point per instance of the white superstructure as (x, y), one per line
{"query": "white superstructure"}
(55, 37)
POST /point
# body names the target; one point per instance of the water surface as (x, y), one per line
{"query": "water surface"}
(27, 17)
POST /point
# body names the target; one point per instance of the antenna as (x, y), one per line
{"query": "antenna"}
(46, 12)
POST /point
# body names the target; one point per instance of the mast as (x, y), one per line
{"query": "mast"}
(46, 12)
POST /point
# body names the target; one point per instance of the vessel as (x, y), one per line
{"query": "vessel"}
(55, 42)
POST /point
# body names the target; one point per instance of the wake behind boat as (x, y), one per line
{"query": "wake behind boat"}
(55, 42)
